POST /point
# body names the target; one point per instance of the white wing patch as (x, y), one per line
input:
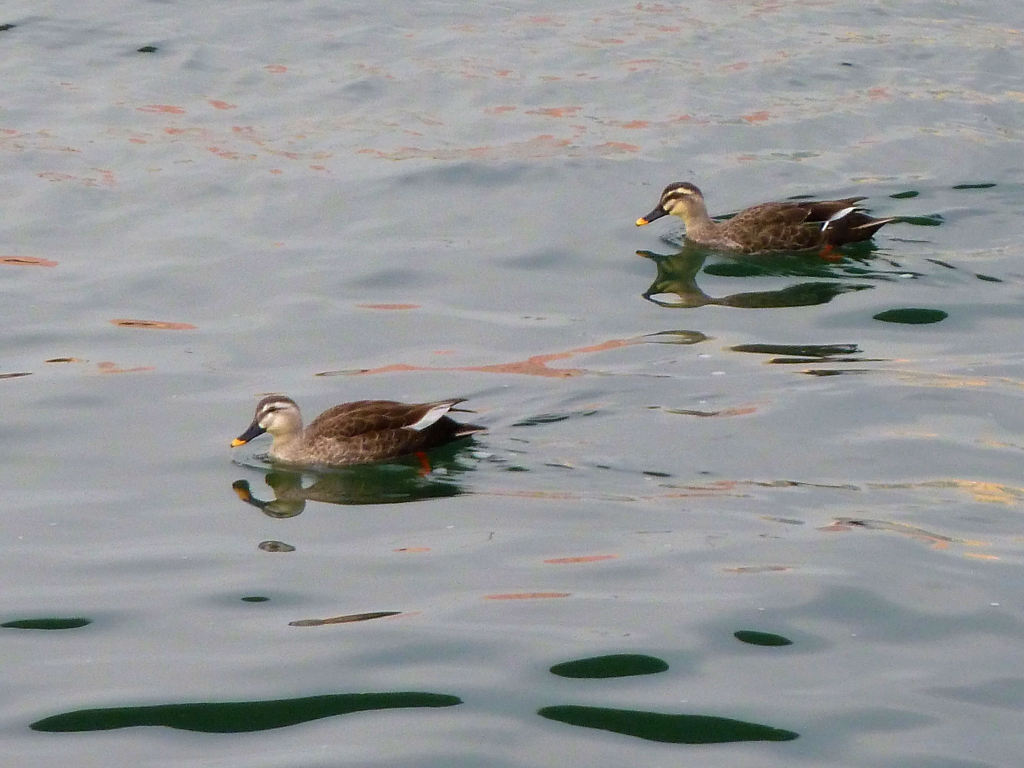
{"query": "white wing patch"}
(430, 417)
(838, 216)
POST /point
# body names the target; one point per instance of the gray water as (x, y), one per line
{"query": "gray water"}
(425, 200)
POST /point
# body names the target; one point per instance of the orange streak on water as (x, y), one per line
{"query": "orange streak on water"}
(537, 365)
(169, 109)
(154, 324)
(580, 559)
(555, 111)
(619, 146)
(27, 261)
(109, 367)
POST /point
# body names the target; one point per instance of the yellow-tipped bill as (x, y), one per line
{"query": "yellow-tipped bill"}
(657, 213)
(254, 430)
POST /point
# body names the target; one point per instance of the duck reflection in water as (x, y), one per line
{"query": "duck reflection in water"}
(391, 483)
(676, 282)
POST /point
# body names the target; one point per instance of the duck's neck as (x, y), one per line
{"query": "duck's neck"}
(695, 217)
(285, 443)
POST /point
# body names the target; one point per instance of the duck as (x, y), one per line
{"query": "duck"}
(792, 225)
(360, 432)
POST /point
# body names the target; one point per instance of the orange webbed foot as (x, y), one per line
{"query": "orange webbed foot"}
(425, 468)
(828, 253)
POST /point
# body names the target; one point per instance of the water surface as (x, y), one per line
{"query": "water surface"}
(420, 200)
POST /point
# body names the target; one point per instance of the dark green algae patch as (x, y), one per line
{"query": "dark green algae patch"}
(753, 637)
(612, 665)
(912, 316)
(671, 729)
(238, 716)
(48, 623)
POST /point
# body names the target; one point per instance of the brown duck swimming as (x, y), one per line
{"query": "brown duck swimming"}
(354, 433)
(793, 225)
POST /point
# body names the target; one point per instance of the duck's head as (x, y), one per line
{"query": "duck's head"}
(276, 414)
(678, 199)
